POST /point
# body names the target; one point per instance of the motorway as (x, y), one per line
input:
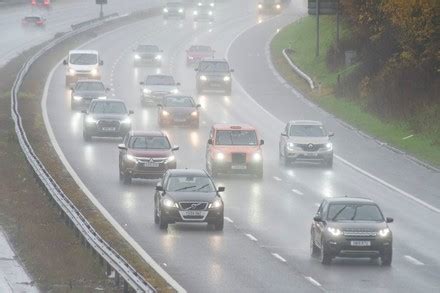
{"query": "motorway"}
(265, 244)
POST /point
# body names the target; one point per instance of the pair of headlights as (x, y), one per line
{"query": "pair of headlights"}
(337, 232)
(205, 78)
(166, 113)
(91, 120)
(169, 203)
(148, 91)
(291, 146)
(138, 57)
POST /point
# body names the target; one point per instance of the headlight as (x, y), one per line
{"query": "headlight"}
(195, 12)
(220, 156)
(158, 57)
(194, 114)
(165, 10)
(227, 78)
(257, 157)
(384, 232)
(131, 158)
(168, 203)
(216, 204)
(146, 91)
(94, 72)
(77, 98)
(174, 91)
(171, 158)
(137, 57)
(210, 12)
(126, 121)
(203, 78)
(278, 6)
(260, 6)
(90, 120)
(334, 231)
(165, 113)
(290, 146)
(102, 98)
(72, 71)
(180, 10)
(329, 146)
(211, 4)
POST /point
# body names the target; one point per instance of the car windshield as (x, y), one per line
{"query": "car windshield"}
(160, 80)
(90, 86)
(200, 49)
(32, 18)
(307, 130)
(147, 48)
(236, 137)
(354, 212)
(174, 4)
(214, 67)
(178, 102)
(106, 107)
(83, 59)
(190, 184)
(149, 142)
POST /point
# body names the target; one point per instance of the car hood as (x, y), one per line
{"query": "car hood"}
(214, 74)
(355, 225)
(90, 94)
(161, 88)
(150, 153)
(192, 196)
(109, 116)
(148, 53)
(237, 149)
(83, 67)
(307, 140)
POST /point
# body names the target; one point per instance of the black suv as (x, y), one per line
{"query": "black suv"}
(351, 227)
(214, 74)
(185, 195)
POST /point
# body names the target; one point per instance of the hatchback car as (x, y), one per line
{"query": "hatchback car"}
(85, 91)
(234, 149)
(306, 141)
(188, 196)
(214, 74)
(145, 154)
(178, 110)
(351, 227)
(155, 87)
(147, 55)
(197, 53)
(106, 118)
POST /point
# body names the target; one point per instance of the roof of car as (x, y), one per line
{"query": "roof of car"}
(346, 199)
(90, 80)
(83, 52)
(305, 122)
(187, 172)
(108, 100)
(222, 126)
(146, 133)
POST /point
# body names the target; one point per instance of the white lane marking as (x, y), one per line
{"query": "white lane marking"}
(313, 281)
(251, 237)
(360, 170)
(229, 220)
(277, 178)
(279, 257)
(414, 260)
(297, 191)
(165, 265)
(164, 274)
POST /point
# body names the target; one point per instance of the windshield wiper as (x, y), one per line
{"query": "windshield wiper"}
(203, 186)
(354, 215)
(337, 214)
(187, 187)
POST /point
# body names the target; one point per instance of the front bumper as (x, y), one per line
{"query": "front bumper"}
(93, 129)
(214, 85)
(342, 247)
(301, 155)
(174, 215)
(227, 167)
(173, 120)
(137, 170)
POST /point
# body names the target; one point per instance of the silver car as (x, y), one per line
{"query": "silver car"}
(306, 141)
(155, 87)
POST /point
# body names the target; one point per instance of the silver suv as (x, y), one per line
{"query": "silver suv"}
(304, 140)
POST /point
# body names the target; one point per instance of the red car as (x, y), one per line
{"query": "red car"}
(41, 3)
(33, 20)
(196, 53)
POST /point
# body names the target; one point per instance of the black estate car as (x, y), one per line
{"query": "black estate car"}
(351, 227)
(185, 195)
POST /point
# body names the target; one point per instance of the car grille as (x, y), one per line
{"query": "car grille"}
(193, 205)
(160, 93)
(310, 147)
(152, 160)
(108, 124)
(238, 158)
(359, 233)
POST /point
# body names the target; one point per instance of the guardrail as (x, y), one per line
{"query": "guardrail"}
(92, 21)
(107, 255)
(297, 70)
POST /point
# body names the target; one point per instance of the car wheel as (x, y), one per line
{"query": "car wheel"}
(386, 258)
(314, 250)
(127, 179)
(219, 225)
(156, 216)
(325, 257)
(163, 223)
(87, 136)
(121, 174)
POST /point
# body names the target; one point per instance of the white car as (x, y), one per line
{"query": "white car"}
(82, 64)
(155, 87)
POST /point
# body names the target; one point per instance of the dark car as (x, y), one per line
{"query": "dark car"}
(85, 91)
(145, 154)
(185, 195)
(196, 53)
(351, 227)
(147, 54)
(106, 118)
(156, 86)
(178, 110)
(174, 9)
(34, 21)
(204, 12)
(214, 74)
(270, 6)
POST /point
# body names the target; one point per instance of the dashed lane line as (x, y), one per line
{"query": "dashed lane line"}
(313, 281)
(414, 260)
(251, 237)
(276, 255)
(297, 192)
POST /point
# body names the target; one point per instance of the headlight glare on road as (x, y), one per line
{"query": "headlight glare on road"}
(137, 57)
(257, 157)
(194, 114)
(94, 72)
(195, 12)
(72, 71)
(90, 120)
(216, 204)
(227, 78)
(203, 78)
(165, 113)
(334, 231)
(220, 156)
(131, 158)
(126, 121)
(168, 203)
(77, 98)
(384, 232)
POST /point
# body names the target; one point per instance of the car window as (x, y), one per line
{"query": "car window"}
(160, 80)
(214, 67)
(83, 59)
(32, 18)
(236, 137)
(90, 86)
(190, 184)
(200, 48)
(107, 107)
(178, 102)
(149, 142)
(354, 212)
(307, 130)
(147, 48)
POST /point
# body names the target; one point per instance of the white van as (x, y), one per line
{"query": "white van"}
(82, 64)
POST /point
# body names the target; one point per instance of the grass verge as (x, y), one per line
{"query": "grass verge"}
(300, 37)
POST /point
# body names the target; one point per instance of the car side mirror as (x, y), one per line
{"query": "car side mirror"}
(283, 134)
(142, 83)
(232, 70)
(331, 134)
(175, 148)
(84, 111)
(64, 62)
(389, 220)
(210, 141)
(122, 147)
(317, 219)
(101, 62)
(178, 84)
(198, 106)
(159, 187)
(131, 112)
(221, 189)
(261, 141)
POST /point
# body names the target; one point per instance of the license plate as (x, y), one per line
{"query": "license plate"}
(239, 167)
(191, 213)
(109, 128)
(360, 243)
(179, 120)
(151, 165)
(311, 154)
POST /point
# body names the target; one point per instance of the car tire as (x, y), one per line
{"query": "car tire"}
(121, 174)
(86, 136)
(218, 226)
(163, 223)
(314, 250)
(386, 258)
(325, 257)
(127, 179)
(156, 216)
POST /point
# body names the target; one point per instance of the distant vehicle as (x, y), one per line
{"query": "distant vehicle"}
(185, 195)
(196, 53)
(41, 3)
(82, 64)
(106, 118)
(234, 149)
(209, 3)
(214, 74)
(145, 154)
(270, 6)
(33, 20)
(155, 87)
(174, 9)
(147, 54)
(178, 110)
(203, 12)
(85, 91)
(306, 141)
(351, 227)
